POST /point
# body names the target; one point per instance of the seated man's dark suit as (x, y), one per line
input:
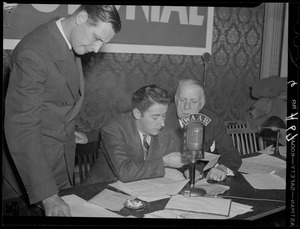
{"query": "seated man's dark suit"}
(122, 147)
(214, 131)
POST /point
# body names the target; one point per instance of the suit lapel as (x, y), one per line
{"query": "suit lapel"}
(135, 139)
(69, 66)
(69, 71)
(64, 60)
(81, 91)
(154, 146)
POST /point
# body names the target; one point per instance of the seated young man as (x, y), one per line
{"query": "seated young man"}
(137, 145)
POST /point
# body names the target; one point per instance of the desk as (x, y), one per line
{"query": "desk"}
(239, 187)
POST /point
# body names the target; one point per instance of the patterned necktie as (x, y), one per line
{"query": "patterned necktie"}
(146, 146)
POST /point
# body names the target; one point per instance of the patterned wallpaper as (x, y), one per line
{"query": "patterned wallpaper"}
(111, 78)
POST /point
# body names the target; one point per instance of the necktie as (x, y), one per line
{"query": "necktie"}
(146, 146)
(73, 54)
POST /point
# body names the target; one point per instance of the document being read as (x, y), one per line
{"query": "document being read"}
(208, 205)
(263, 164)
(81, 208)
(151, 189)
(110, 200)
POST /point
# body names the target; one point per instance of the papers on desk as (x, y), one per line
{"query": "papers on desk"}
(212, 160)
(208, 205)
(110, 200)
(81, 208)
(236, 209)
(264, 171)
(262, 164)
(265, 181)
(151, 189)
(270, 150)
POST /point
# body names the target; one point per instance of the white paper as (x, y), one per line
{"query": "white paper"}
(208, 205)
(110, 199)
(265, 181)
(81, 208)
(262, 164)
(236, 209)
(212, 160)
(270, 150)
(151, 189)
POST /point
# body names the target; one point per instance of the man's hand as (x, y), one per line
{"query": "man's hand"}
(56, 206)
(80, 138)
(173, 160)
(217, 173)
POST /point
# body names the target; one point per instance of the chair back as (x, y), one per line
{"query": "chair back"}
(85, 157)
(244, 138)
(236, 124)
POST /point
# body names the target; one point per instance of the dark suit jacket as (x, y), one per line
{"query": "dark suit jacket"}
(44, 95)
(121, 145)
(214, 131)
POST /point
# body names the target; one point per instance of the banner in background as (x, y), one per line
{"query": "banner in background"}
(181, 30)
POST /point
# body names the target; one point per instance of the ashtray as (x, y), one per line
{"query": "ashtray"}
(135, 204)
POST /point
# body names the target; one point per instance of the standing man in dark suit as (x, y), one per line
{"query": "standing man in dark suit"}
(44, 95)
(137, 145)
(190, 99)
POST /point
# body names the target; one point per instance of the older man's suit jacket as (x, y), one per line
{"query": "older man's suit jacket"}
(215, 131)
(44, 95)
(122, 147)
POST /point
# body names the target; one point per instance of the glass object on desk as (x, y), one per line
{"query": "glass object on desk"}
(135, 204)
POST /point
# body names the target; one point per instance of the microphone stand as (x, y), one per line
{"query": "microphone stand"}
(205, 57)
(195, 155)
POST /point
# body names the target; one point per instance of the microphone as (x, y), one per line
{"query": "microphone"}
(193, 148)
(194, 141)
(194, 144)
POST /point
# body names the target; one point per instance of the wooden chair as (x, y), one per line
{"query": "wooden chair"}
(85, 158)
(244, 138)
(236, 124)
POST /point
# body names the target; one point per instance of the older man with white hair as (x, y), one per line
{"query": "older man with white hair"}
(190, 99)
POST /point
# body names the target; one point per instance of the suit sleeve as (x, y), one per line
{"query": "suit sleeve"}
(92, 136)
(124, 158)
(230, 157)
(24, 103)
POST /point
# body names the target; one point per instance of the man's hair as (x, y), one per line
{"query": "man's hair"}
(146, 96)
(190, 81)
(104, 13)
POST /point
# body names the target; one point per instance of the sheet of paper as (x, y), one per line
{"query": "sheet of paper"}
(173, 174)
(145, 198)
(208, 205)
(262, 164)
(270, 150)
(281, 174)
(161, 188)
(236, 209)
(265, 181)
(81, 208)
(212, 160)
(110, 200)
